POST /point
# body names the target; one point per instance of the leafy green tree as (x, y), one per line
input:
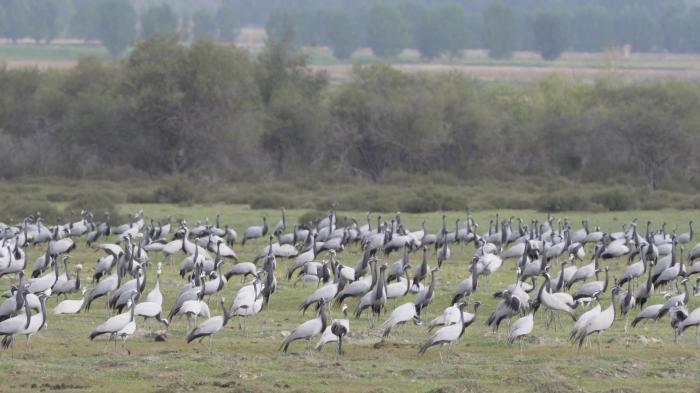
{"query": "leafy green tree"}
(341, 35)
(650, 122)
(158, 19)
(204, 25)
(636, 27)
(387, 33)
(17, 18)
(117, 25)
(499, 31)
(428, 38)
(280, 24)
(227, 22)
(289, 91)
(3, 22)
(85, 20)
(694, 29)
(549, 36)
(591, 29)
(443, 30)
(675, 30)
(454, 28)
(43, 19)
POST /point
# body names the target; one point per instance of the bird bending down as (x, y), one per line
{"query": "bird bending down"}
(210, 327)
(336, 332)
(308, 329)
(446, 334)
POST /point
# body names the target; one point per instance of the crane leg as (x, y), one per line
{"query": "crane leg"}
(210, 343)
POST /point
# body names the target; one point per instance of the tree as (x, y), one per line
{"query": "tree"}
(43, 16)
(499, 31)
(341, 35)
(454, 28)
(204, 25)
(3, 22)
(290, 92)
(117, 25)
(85, 20)
(591, 29)
(428, 38)
(636, 28)
(549, 36)
(159, 19)
(387, 33)
(694, 33)
(280, 24)
(17, 18)
(650, 122)
(676, 30)
(444, 30)
(227, 22)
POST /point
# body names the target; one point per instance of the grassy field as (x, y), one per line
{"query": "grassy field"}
(522, 66)
(63, 358)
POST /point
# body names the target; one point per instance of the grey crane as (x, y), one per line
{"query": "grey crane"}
(592, 288)
(693, 319)
(551, 301)
(521, 328)
(336, 332)
(155, 295)
(467, 286)
(599, 323)
(325, 293)
(427, 295)
(360, 287)
(105, 287)
(375, 298)
(115, 324)
(627, 303)
(446, 334)
(451, 316)
(686, 237)
(70, 306)
(255, 231)
(14, 303)
(399, 316)
(16, 324)
(210, 327)
(422, 270)
(309, 329)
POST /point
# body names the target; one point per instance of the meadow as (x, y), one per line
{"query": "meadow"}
(63, 358)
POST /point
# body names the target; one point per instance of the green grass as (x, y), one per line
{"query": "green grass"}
(50, 52)
(63, 357)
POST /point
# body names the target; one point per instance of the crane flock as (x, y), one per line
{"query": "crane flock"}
(549, 260)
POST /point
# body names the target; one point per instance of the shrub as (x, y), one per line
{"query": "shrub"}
(310, 215)
(16, 210)
(92, 201)
(616, 199)
(176, 190)
(561, 201)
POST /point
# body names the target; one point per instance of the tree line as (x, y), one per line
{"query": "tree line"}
(434, 28)
(218, 112)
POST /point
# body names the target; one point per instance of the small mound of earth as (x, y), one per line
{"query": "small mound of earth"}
(636, 339)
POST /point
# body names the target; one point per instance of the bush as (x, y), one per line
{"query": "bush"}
(58, 197)
(616, 199)
(15, 211)
(92, 201)
(176, 190)
(559, 201)
(271, 201)
(310, 216)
